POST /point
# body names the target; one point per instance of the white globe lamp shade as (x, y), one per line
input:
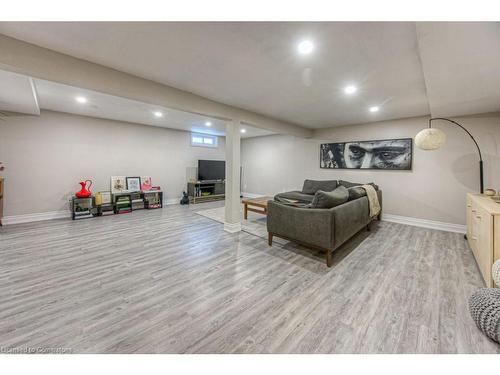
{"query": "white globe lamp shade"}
(430, 139)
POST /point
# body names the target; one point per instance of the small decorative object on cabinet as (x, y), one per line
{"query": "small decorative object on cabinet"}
(133, 183)
(85, 191)
(146, 183)
(483, 233)
(1, 199)
(103, 203)
(82, 208)
(490, 192)
(118, 184)
(105, 197)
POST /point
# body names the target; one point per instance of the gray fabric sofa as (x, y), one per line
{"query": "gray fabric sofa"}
(324, 229)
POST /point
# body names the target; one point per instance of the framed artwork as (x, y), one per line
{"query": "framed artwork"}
(118, 184)
(391, 154)
(134, 183)
(146, 183)
(105, 197)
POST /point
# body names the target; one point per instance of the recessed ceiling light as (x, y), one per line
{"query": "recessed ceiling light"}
(208, 123)
(81, 99)
(158, 114)
(243, 130)
(305, 47)
(374, 109)
(350, 89)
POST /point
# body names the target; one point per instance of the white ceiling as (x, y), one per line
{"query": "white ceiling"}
(62, 98)
(462, 66)
(17, 94)
(406, 68)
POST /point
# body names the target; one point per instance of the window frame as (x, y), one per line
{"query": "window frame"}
(214, 138)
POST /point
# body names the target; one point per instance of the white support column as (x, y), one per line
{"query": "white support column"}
(232, 222)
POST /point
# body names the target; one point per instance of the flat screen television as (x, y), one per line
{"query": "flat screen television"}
(211, 170)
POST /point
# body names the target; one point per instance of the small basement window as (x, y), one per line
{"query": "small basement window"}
(203, 140)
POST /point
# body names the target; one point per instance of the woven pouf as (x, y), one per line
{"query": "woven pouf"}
(484, 307)
(495, 272)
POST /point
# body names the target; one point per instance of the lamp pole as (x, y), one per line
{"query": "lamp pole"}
(481, 179)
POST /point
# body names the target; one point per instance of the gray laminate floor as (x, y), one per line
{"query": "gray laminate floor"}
(171, 281)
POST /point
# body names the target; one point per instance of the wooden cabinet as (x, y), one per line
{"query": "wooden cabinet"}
(483, 232)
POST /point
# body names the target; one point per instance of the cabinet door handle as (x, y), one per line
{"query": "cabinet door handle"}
(469, 205)
(479, 217)
(474, 238)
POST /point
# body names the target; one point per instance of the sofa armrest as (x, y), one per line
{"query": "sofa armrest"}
(351, 217)
(309, 226)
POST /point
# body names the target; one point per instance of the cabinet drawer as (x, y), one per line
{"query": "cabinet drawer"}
(484, 251)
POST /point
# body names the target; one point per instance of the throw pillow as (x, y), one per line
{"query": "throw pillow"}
(356, 192)
(348, 184)
(330, 199)
(312, 186)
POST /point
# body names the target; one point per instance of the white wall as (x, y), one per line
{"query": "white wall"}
(434, 190)
(45, 157)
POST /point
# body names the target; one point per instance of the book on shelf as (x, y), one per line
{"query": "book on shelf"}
(83, 216)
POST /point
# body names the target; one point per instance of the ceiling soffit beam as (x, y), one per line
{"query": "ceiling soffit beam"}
(35, 95)
(38, 62)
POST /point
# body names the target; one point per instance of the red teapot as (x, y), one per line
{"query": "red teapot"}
(85, 192)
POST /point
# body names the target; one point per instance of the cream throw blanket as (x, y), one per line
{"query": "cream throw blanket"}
(372, 196)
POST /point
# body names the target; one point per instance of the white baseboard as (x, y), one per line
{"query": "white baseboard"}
(169, 202)
(51, 215)
(423, 223)
(232, 227)
(40, 216)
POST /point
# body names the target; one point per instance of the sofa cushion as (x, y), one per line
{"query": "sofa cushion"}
(312, 186)
(356, 192)
(348, 184)
(330, 199)
(294, 195)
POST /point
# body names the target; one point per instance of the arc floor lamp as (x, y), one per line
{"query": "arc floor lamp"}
(432, 139)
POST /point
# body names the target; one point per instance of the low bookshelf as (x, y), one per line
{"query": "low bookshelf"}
(121, 203)
(205, 191)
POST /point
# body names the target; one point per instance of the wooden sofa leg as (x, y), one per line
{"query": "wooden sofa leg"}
(269, 238)
(328, 258)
